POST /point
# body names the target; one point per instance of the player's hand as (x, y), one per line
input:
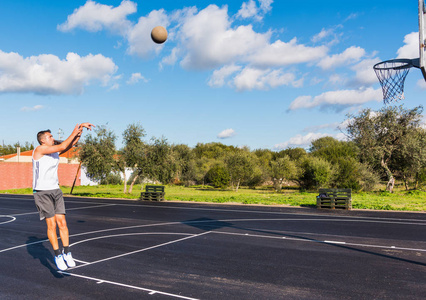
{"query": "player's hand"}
(77, 129)
(87, 125)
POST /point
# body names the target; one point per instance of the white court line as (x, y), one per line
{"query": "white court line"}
(7, 216)
(128, 234)
(24, 245)
(76, 208)
(81, 261)
(224, 220)
(318, 241)
(150, 291)
(142, 250)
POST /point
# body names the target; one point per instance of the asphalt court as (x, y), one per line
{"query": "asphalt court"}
(171, 250)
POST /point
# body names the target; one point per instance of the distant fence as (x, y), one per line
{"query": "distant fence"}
(14, 175)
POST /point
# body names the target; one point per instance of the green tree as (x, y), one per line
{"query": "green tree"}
(212, 150)
(241, 166)
(132, 152)
(295, 154)
(316, 172)
(201, 166)
(97, 154)
(218, 176)
(408, 159)
(332, 150)
(185, 163)
(158, 161)
(12, 149)
(368, 178)
(379, 135)
(282, 169)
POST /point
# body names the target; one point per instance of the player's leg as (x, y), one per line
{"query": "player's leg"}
(63, 229)
(64, 233)
(51, 233)
(53, 239)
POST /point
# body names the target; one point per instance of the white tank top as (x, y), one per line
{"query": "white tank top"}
(45, 172)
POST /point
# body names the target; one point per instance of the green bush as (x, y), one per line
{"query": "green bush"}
(316, 173)
(112, 178)
(218, 176)
(368, 179)
(347, 176)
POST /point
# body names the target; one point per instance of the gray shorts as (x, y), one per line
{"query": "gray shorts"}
(49, 203)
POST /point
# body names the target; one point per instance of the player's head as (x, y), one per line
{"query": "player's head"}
(42, 135)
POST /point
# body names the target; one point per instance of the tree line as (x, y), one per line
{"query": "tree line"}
(11, 149)
(385, 145)
(381, 145)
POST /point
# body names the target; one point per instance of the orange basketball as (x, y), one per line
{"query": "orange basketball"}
(159, 34)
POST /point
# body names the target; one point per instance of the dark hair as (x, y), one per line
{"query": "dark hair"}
(41, 134)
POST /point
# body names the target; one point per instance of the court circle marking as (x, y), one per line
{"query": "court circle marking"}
(6, 216)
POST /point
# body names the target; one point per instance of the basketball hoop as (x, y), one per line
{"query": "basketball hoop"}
(391, 74)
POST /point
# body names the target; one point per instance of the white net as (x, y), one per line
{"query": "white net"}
(392, 75)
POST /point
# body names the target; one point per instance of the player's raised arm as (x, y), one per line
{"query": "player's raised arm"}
(47, 143)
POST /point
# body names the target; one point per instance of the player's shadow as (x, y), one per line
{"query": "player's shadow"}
(38, 251)
(207, 224)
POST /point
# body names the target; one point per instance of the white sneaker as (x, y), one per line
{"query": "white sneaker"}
(60, 263)
(69, 260)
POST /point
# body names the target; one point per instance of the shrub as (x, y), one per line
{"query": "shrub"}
(316, 172)
(368, 179)
(218, 176)
(112, 178)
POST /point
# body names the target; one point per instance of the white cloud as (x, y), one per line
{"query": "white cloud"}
(305, 140)
(328, 36)
(139, 36)
(324, 33)
(352, 16)
(240, 57)
(135, 78)
(248, 10)
(219, 76)
(227, 133)
(251, 10)
(333, 126)
(171, 59)
(34, 108)
(206, 46)
(337, 79)
(421, 84)
(364, 73)
(94, 17)
(251, 78)
(411, 47)
(202, 46)
(351, 55)
(281, 53)
(338, 99)
(47, 74)
(265, 5)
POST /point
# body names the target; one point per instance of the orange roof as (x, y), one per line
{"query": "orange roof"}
(71, 153)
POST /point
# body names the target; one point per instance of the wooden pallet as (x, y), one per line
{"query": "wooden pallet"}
(153, 193)
(335, 198)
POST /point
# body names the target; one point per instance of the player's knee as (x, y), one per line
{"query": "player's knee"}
(51, 224)
(62, 223)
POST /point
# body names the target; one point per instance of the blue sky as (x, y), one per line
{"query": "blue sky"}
(259, 73)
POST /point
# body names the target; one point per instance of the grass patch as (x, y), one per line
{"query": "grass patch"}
(400, 200)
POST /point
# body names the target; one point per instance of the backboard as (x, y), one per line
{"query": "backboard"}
(422, 36)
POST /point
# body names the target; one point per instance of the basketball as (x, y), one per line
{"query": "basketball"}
(159, 34)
